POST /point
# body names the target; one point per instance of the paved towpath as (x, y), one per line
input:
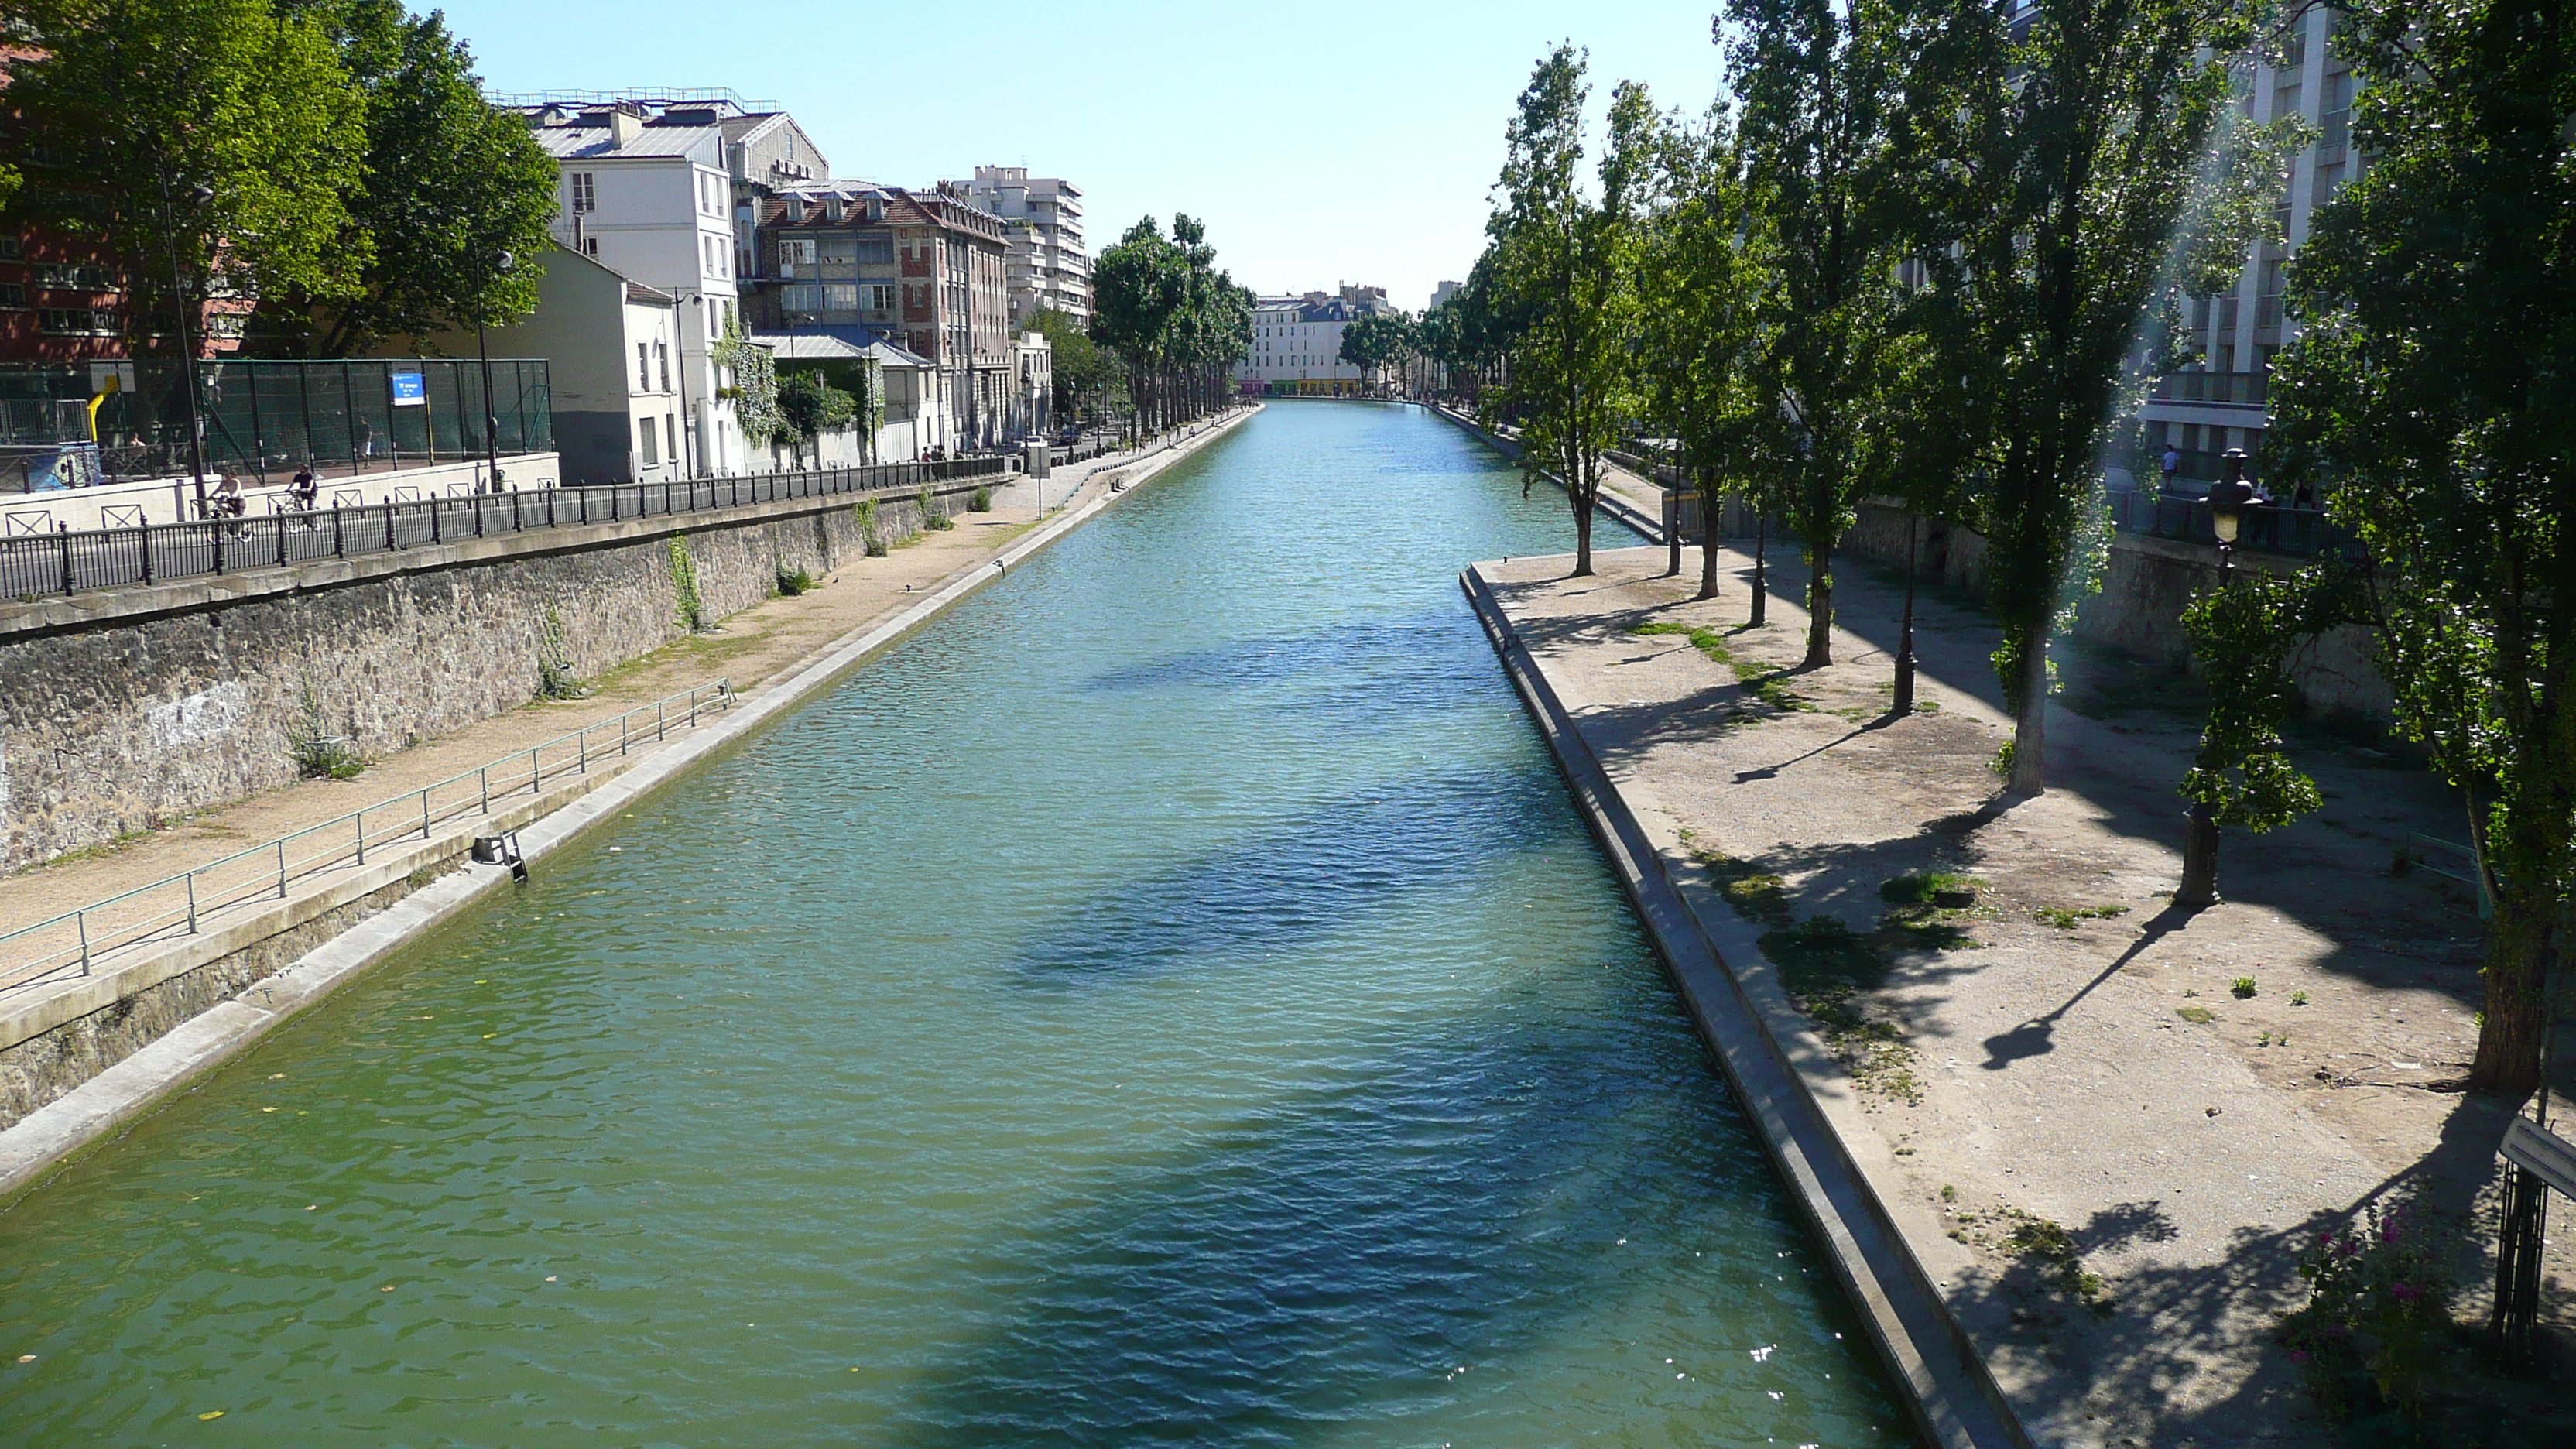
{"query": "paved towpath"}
(2072, 1087)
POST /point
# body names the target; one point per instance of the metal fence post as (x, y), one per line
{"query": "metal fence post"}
(63, 544)
(192, 903)
(278, 520)
(484, 776)
(81, 919)
(339, 541)
(434, 536)
(657, 719)
(424, 814)
(581, 741)
(362, 837)
(281, 868)
(143, 534)
(621, 731)
(389, 526)
(536, 775)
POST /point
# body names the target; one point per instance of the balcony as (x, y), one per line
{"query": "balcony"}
(2237, 389)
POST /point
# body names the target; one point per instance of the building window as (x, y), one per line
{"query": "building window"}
(643, 367)
(670, 438)
(81, 321)
(585, 193)
(9, 247)
(69, 277)
(13, 297)
(645, 441)
(590, 246)
(881, 298)
(662, 355)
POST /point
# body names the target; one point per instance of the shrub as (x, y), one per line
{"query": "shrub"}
(981, 501)
(2243, 987)
(684, 588)
(933, 517)
(792, 582)
(555, 679)
(865, 511)
(2378, 1304)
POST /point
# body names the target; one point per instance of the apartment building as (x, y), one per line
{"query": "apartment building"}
(647, 191)
(1297, 342)
(2224, 402)
(1047, 263)
(923, 270)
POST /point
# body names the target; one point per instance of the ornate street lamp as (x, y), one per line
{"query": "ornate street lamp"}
(2230, 499)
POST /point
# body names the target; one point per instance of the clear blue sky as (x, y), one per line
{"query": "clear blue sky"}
(1323, 142)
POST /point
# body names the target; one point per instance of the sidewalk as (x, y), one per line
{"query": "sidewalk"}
(2106, 1160)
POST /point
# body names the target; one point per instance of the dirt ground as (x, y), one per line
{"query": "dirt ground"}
(2113, 1126)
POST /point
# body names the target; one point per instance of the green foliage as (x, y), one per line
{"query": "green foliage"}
(2298, 998)
(555, 677)
(934, 519)
(2196, 1015)
(1375, 339)
(1706, 641)
(809, 407)
(319, 754)
(795, 581)
(451, 185)
(2061, 171)
(2243, 636)
(1756, 894)
(1081, 370)
(752, 386)
(684, 587)
(1175, 321)
(1929, 887)
(2370, 1337)
(1559, 269)
(865, 511)
(980, 501)
(137, 103)
(2242, 988)
(2067, 918)
(2432, 387)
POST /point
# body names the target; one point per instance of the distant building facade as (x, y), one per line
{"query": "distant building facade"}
(1297, 342)
(1048, 263)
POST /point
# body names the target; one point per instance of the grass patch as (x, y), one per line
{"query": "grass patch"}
(2046, 1247)
(2242, 988)
(2196, 1015)
(1760, 680)
(1706, 641)
(2065, 918)
(1756, 894)
(1825, 967)
(1931, 888)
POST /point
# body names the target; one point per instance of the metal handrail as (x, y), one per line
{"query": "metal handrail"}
(181, 902)
(33, 565)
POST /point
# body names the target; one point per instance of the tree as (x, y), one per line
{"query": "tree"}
(1173, 319)
(217, 130)
(1817, 82)
(1374, 339)
(2066, 168)
(2433, 386)
(2242, 634)
(452, 185)
(1562, 277)
(811, 407)
(1701, 271)
(1081, 370)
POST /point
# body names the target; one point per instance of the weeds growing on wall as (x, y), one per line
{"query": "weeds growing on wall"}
(792, 582)
(318, 753)
(981, 501)
(933, 517)
(555, 679)
(684, 588)
(865, 511)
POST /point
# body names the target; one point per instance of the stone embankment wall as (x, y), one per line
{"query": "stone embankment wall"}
(124, 709)
(2139, 610)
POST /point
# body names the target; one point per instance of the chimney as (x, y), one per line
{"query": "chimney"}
(625, 123)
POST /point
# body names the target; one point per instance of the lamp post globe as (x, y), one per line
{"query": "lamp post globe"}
(2230, 497)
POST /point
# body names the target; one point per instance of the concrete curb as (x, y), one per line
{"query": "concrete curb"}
(1953, 1398)
(1635, 519)
(51, 1135)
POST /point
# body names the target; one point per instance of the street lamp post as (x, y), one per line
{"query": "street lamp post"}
(200, 194)
(1903, 705)
(483, 350)
(2230, 499)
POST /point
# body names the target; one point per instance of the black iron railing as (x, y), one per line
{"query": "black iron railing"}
(35, 565)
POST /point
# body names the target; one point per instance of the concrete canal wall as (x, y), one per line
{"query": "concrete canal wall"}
(75, 1065)
(123, 709)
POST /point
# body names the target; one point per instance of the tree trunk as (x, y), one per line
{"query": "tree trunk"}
(1582, 541)
(1820, 605)
(2198, 890)
(2030, 722)
(1708, 516)
(2522, 946)
(1761, 573)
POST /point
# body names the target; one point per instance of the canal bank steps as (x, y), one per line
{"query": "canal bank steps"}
(1634, 501)
(342, 923)
(1769, 1058)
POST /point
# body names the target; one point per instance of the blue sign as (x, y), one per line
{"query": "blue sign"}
(411, 390)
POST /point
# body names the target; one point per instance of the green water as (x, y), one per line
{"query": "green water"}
(1170, 1000)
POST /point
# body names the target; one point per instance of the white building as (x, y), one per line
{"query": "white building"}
(2225, 403)
(649, 194)
(1048, 265)
(1297, 341)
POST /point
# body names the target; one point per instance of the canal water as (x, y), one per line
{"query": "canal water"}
(1169, 1000)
